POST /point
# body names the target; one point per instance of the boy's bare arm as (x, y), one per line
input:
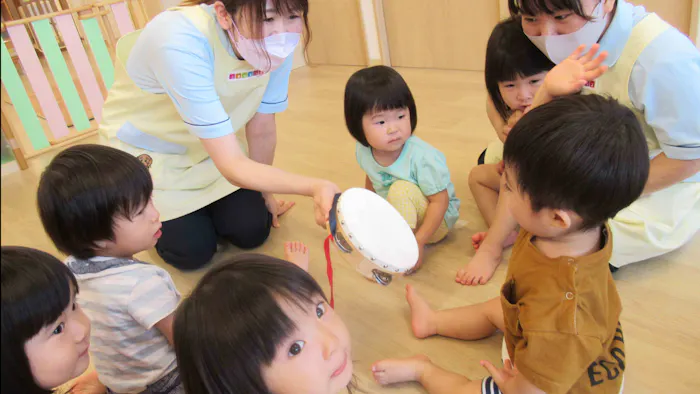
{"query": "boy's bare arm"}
(165, 326)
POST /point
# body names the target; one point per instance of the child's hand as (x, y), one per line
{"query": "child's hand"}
(421, 254)
(504, 377)
(514, 118)
(569, 76)
(509, 380)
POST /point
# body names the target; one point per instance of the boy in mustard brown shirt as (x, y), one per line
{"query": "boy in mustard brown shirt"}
(570, 165)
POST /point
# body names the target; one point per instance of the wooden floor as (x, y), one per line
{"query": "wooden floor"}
(661, 316)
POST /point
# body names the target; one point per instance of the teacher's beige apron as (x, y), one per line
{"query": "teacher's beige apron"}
(667, 219)
(184, 176)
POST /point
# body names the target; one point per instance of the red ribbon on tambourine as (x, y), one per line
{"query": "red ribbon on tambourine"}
(329, 267)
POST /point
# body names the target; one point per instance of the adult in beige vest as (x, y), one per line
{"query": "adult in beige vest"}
(654, 70)
(186, 87)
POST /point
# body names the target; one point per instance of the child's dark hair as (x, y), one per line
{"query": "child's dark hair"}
(232, 323)
(534, 7)
(36, 290)
(377, 88)
(584, 153)
(510, 54)
(84, 189)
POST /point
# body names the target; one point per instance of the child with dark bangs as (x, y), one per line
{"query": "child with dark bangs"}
(45, 333)
(95, 204)
(257, 324)
(409, 173)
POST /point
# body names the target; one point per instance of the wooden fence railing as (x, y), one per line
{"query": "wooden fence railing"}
(56, 70)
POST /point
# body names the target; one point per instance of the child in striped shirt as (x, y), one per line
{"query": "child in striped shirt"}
(95, 204)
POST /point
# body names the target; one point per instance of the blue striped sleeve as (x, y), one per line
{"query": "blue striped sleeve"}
(153, 298)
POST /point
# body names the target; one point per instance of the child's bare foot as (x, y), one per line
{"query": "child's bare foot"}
(397, 370)
(422, 316)
(479, 237)
(480, 269)
(297, 253)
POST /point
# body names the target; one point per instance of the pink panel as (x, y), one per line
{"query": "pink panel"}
(123, 18)
(37, 79)
(80, 61)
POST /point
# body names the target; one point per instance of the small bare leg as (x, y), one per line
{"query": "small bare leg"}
(422, 316)
(488, 256)
(399, 370)
(467, 322)
(420, 369)
(479, 237)
(485, 184)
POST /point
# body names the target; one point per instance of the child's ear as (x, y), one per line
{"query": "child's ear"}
(561, 219)
(102, 244)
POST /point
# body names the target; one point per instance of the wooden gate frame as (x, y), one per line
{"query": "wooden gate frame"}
(100, 11)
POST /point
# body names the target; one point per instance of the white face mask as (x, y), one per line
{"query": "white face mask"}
(282, 45)
(277, 46)
(558, 48)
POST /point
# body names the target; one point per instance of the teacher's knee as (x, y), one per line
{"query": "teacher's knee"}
(251, 234)
(190, 254)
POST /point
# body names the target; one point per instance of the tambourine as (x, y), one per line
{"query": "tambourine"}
(371, 235)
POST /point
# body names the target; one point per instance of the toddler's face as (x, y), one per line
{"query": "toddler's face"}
(316, 357)
(387, 130)
(136, 234)
(518, 93)
(59, 352)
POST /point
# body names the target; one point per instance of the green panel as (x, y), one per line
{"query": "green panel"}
(20, 100)
(47, 38)
(99, 49)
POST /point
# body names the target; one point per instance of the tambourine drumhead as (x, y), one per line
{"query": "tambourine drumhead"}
(376, 230)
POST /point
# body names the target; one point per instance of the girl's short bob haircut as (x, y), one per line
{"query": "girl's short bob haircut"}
(375, 89)
(232, 324)
(510, 54)
(36, 290)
